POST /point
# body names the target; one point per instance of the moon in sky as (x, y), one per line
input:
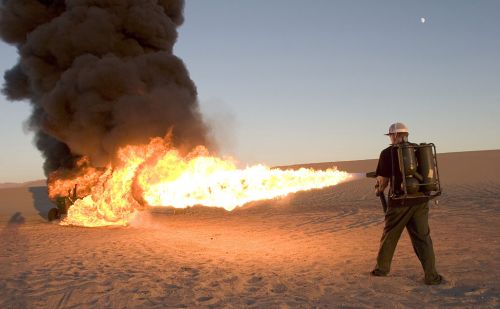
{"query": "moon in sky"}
(422, 20)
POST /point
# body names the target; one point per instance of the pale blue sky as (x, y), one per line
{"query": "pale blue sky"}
(312, 81)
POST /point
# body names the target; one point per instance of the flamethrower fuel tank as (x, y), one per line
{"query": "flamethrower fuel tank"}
(408, 162)
(418, 167)
(427, 167)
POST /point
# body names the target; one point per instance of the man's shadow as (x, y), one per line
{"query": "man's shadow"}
(41, 200)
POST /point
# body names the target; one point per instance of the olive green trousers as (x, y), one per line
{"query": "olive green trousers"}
(416, 220)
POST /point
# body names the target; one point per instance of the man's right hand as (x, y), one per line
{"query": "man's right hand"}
(382, 183)
(377, 193)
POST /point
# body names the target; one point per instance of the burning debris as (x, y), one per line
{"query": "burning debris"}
(105, 86)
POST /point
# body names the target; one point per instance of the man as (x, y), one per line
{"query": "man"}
(412, 214)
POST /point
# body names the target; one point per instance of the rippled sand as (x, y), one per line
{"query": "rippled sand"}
(311, 249)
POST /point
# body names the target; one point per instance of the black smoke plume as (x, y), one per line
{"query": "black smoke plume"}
(100, 74)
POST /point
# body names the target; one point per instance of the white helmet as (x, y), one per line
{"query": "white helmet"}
(397, 127)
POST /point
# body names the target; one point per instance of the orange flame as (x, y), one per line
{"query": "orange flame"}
(158, 175)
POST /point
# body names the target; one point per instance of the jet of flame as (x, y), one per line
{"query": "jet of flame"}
(156, 174)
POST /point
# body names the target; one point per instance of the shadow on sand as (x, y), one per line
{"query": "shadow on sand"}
(15, 220)
(41, 200)
(14, 244)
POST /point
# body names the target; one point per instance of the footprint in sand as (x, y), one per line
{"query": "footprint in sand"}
(192, 271)
(255, 280)
(204, 298)
(255, 283)
(279, 288)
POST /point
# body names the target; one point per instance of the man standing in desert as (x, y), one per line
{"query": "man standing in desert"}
(414, 215)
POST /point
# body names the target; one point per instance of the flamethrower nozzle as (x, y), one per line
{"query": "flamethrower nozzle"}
(371, 175)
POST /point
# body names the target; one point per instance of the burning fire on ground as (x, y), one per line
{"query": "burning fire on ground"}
(94, 96)
(156, 174)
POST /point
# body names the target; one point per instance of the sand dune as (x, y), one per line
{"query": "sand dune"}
(34, 183)
(310, 249)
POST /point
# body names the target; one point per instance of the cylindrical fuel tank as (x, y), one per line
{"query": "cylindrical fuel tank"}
(427, 167)
(409, 160)
(412, 185)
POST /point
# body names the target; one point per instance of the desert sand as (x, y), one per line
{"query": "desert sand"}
(307, 250)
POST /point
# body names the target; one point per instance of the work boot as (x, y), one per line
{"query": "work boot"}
(438, 279)
(378, 273)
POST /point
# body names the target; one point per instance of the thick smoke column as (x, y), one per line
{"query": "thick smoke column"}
(100, 74)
